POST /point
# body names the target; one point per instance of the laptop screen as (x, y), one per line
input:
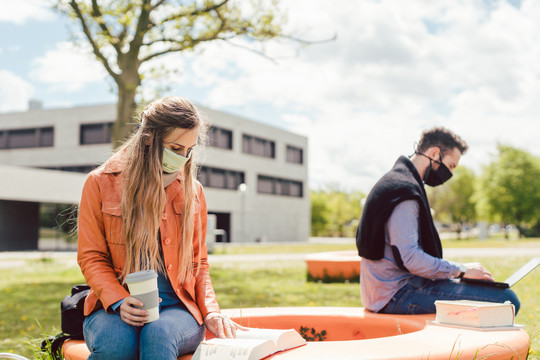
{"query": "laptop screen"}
(524, 270)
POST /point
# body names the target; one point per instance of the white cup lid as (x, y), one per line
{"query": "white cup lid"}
(141, 276)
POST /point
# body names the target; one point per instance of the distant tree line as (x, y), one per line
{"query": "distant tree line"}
(335, 212)
(506, 192)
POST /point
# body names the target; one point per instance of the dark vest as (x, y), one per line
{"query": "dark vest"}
(399, 184)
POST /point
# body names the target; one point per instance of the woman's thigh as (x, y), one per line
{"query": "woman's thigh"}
(108, 337)
(175, 333)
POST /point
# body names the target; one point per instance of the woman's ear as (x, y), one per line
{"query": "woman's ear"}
(147, 138)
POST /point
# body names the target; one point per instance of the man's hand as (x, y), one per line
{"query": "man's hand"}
(130, 314)
(477, 271)
(221, 326)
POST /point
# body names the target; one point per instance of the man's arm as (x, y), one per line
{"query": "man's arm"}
(402, 228)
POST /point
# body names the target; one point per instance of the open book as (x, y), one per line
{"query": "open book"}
(479, 314)
(253, 344)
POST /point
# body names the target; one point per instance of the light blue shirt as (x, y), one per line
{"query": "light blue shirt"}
(381, 279)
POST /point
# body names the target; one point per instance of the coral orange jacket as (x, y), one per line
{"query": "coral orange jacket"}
(101, 249)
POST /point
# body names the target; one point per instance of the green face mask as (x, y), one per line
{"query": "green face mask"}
(172, 162)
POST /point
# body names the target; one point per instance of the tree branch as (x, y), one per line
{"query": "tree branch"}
(94, 45)
(195, 12)
(122, 36)
(98, 16)
(258, 52)
(163, 52)
(141, 29)
(193, 43)
(308, 42)
(158, 4)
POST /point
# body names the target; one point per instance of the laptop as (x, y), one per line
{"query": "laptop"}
(512, 280)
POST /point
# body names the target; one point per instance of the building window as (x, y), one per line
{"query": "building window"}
(257, 146)
(276, 186)
(295, 155)
(95, 133)
(220, 178)
(46, 137)
(27, 138)
(76, 168)
(221, 138)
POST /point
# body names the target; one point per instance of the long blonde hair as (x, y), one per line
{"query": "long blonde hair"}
(143, 195)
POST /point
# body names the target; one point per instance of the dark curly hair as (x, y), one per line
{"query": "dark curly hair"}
(442, 138)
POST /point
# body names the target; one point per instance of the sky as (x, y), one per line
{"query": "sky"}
(396, 68)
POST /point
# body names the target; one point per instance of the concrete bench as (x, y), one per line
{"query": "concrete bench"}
(333, 266)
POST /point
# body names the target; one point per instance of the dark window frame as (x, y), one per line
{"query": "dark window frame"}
(105, 136)
(216, 135)
(292, 152)
(258, 146)
(279, 186)
(231, 178)
(37, 137)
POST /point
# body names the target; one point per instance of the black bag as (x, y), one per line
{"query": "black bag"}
(72, 311)
(72, 318)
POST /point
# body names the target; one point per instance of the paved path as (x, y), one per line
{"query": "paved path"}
(452, 252)
(491, 252)
(17, 259)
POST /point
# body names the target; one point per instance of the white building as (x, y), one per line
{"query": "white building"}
(255, 175)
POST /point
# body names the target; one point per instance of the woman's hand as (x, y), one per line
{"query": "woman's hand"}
(221, 326)
(132, 315)
(477, 271)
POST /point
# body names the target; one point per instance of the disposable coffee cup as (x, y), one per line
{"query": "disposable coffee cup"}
(142, 285)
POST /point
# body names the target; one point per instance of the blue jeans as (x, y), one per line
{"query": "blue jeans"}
(175, 333)
(419, 295)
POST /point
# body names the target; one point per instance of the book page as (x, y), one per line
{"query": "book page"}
(234, 349)
(471, 303)
(284, 339)
(254, 333)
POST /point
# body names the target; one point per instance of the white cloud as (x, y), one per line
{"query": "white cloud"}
(161, 73)
(21, 11)
(395, 69)
(67, 67)
(14, 92)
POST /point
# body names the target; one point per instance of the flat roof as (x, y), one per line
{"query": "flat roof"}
(40, 185)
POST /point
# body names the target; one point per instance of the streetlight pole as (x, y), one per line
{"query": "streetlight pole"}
(243, 188)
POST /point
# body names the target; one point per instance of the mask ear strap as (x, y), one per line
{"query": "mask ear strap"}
(415, 146)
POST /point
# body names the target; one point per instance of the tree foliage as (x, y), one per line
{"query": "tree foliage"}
(335, 212)
(507, 191)
(510, 187)
(455, 201)
(125, 34)
(320, 213)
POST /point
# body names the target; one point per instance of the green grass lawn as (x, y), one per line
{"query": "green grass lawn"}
(274, 248)
(32, 293)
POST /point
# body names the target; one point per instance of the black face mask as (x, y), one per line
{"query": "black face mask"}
(436, 177)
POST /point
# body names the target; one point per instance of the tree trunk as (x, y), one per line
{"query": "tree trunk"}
(124, 124)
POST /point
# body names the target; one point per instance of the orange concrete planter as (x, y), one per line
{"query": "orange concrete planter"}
(333, 266)
(353, 333)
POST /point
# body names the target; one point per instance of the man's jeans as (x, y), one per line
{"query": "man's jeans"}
(175, 333)
(419, 295)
